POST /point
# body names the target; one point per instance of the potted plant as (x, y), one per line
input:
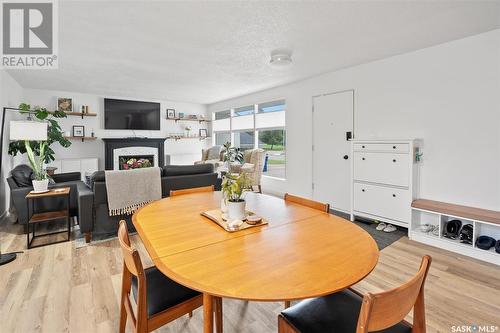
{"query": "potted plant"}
(54, 133)
(41, 180)
(40, 153)
(233, 188)
(230, 155)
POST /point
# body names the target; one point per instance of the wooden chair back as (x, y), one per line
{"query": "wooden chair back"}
(307, 202)
(174, 193)
(131, 257)
(385, 309)
(132, 265)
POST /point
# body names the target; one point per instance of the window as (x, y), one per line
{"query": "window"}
(272, 106)
(244, 111)
(244, 139)
(273, 142)
(256, 126)
(222, 114)
(222, 137)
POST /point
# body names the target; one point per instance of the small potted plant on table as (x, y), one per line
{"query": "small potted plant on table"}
(233, 188)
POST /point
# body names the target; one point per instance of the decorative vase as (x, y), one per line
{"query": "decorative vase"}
(40, 185)
(236, 210)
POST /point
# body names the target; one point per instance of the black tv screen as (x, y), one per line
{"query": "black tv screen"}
(133, 115)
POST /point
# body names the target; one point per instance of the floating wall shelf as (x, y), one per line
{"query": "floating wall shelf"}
(81, 138)
(188, 119)
(79, 114)
(179, 137)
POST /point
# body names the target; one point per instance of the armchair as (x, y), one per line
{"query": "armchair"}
(252, 166)
(20, 185)
(212, 155)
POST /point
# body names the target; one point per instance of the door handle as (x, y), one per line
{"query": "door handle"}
(346, 157)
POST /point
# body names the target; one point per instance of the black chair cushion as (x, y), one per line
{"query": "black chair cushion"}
(337, 312)
(22, 175)
(162, 293)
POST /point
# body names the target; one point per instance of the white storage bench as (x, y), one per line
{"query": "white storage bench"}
(485, 223)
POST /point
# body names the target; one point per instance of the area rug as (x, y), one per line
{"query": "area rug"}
(383, 239)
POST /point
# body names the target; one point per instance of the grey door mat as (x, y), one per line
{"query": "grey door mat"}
(382, 238)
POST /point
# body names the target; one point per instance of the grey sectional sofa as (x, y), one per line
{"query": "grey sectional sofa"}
(89, 202)
(93, 201)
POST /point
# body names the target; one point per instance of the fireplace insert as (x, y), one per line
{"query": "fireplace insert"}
(128, 162)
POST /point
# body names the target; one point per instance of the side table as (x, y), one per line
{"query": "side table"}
(37, 218)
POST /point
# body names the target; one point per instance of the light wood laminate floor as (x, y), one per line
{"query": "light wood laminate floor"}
(58, 288)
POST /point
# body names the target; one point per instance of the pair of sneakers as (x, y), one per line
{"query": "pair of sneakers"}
(386, 227)
(430, 229)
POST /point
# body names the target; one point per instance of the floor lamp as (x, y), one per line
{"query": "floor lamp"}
(25, 130)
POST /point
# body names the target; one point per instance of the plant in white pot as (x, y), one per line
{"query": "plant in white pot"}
(41, 180)
(35, 137)
(230, 155)
(29, 131)
(233, 188)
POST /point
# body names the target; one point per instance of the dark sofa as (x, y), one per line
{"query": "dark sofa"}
(20, 185)
(93, 202)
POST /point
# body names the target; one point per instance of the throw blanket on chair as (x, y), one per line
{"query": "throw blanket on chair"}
(129, 190)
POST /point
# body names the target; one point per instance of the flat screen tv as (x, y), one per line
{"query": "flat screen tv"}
(132, 115)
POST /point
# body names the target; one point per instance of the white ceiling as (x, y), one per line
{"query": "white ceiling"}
(205, 51)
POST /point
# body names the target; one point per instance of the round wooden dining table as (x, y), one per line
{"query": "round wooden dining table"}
(301, 253)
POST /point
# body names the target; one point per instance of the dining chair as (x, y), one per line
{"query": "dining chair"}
(309, 203)
(349, 311)
(159, 300)
(174, 193)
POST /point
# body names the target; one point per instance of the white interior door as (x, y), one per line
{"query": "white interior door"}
(332, 119)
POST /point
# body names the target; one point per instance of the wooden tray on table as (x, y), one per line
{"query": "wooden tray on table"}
(218, 217)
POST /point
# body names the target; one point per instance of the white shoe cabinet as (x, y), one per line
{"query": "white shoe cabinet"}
(384, 179)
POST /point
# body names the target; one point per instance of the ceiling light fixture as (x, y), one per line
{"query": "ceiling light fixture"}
(280, 58)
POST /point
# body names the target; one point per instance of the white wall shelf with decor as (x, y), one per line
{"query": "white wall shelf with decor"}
(83, 138)
(80, 114)
(485, 223)
(384, 179)
(183, 137)
(189, 119)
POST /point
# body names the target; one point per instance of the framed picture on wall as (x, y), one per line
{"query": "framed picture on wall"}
(78, 131)
(170, 114)
(65, 104)
(203, 133)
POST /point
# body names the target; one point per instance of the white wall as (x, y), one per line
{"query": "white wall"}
(48, 98)
(448, 95)
(10, 95)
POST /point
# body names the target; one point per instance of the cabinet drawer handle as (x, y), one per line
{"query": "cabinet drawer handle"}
(393, 195)
(363, 158)
(362, 190)
(362, 146)
(394, 160)
(393, 147)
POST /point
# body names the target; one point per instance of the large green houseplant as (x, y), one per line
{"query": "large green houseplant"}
(39, 152)
(54, 134)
